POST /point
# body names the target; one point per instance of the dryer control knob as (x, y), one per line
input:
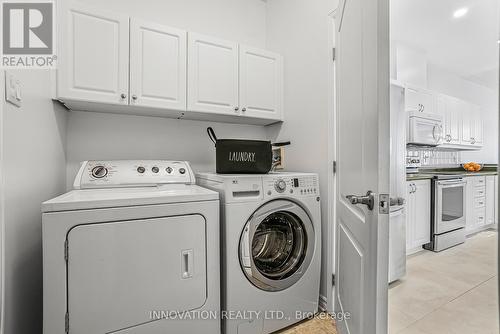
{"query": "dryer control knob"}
(280, 186)
(99, 172)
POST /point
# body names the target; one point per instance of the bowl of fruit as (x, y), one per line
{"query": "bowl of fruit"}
(472, 167)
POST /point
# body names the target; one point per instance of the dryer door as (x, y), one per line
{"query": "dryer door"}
(119, 272)
(277, 245)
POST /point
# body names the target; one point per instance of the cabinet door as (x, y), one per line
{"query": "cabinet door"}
(496, 199)
(93, 64)
(212, 75)
(422, 227)
(450, 109)
(470, 223)
(455, 123)
(261, 82)
(158, 66)
(490, 200)
(417, 99)
(478, 127)
(467, 123)
(410, 215)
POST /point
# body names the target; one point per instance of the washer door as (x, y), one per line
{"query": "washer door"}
(277, 245)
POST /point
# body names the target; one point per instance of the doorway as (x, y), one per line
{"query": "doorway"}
(444, 260)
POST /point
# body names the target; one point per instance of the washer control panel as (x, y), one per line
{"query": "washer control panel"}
(130, 173)
(293, 185)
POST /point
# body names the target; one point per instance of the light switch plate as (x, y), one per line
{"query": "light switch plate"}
(13, 89)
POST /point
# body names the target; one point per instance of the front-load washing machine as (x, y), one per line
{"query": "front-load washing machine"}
(271, 249)
(134, 248)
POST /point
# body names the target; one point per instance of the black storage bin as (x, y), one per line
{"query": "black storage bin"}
(238, 156)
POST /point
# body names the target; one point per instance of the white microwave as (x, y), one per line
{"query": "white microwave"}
(425, 129)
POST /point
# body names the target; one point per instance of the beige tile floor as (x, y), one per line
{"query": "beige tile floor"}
(318, 325)
(451, 292)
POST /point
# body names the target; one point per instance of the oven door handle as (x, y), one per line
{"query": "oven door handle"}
(448, 184)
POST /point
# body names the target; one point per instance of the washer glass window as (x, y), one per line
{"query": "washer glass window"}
(277, 245)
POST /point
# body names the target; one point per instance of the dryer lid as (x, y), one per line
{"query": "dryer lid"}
(86, 199)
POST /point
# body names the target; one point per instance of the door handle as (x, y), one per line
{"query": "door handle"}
(187, 264)
(368, 200)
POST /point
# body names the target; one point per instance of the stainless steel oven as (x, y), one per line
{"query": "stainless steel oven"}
(448, 212)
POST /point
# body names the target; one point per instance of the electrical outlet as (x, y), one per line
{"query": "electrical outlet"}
(12, 89)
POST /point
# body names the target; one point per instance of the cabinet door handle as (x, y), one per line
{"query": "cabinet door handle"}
(134, 97)
(123, 96)
(244, 109)
(236, 108)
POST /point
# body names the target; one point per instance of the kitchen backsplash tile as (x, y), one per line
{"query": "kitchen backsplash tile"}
(430, 157)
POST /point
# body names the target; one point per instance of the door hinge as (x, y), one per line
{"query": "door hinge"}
(66, 250)
(334, 167)
(384, 204)
(66, 322)
(333, 54)
(333, 279)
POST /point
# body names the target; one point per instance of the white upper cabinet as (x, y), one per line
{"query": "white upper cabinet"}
(462, 123)
(418, 99)
(449, 108)
(478, 134)
(472, 125)
(261, 83)
(212, 75)
(113, 63)
(467, 123)
(157, 65)
(94, 55)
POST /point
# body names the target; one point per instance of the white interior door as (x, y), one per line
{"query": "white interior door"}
(94, 60)
(261, 83)
(212, 75)
(363, 141)
(158, 65)
(119, 272)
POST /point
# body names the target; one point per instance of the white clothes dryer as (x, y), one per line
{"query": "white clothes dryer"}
(271, 249)
(134, 248)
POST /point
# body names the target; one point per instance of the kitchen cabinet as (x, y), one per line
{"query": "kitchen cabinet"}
(472, 125)
(93, 62)
(212, 75)
(418, 218)
(478, 133)
(490, 203)
(496, 199)
(157, 65)
(481, 203)
(448, 107)
(418, 99)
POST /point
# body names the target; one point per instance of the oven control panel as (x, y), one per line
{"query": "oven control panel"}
(291, 184)
(129, 173)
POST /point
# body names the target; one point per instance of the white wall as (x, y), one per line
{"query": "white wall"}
(33, 170)
(96, 136)
(299, 30)
(448, 83)
(104, 136)
(243, 21)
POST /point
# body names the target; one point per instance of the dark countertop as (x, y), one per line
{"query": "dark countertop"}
(424, 174)
(418, 176)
